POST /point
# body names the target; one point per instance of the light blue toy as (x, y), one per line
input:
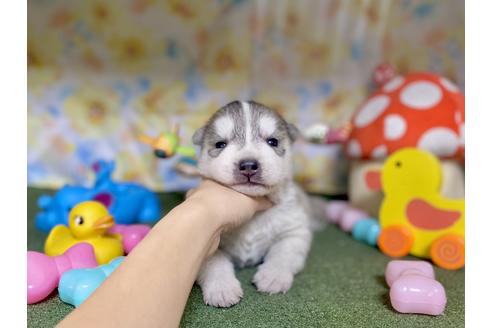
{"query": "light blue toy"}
(77, 285)
(366, 231)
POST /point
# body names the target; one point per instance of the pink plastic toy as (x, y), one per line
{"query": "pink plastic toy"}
(132, 234)
(44, 272)
(334, 210)
(351, 216)
(413, 288)
(342, 213)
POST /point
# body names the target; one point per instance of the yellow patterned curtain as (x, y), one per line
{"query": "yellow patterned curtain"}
(101, 72)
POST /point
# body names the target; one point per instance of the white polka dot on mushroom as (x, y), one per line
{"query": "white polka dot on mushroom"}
(395, 127)
(379, 152)
(353, 148)
(448, 85)
(393, 84)
(371, 110)
(421, 95)
(440, 141)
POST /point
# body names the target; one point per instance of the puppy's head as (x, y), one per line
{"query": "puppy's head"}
(246, 146)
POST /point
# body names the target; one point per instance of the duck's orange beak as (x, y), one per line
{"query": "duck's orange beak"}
(373, 180)
(105, 222)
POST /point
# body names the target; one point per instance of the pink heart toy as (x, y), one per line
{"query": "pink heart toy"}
(44, 272)
(132, 234)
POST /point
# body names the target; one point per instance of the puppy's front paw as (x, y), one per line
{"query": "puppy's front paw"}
(222, 293)
(272, 280)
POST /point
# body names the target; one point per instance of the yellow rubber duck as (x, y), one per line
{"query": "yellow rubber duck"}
(88, 222)
(415, 218)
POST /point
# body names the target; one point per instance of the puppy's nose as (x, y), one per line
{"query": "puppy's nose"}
(248, 167)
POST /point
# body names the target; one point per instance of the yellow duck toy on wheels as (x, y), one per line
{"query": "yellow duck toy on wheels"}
(414, 217)
(88, 222)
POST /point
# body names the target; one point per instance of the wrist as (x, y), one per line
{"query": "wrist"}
(198, 214)
(205, 221)
(195, 221)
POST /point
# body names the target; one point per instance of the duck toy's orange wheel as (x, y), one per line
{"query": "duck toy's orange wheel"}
(448, 252)
(395, 240)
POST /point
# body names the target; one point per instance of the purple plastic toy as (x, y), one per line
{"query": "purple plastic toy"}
(44, 272)
(132, 234)
(413, 288)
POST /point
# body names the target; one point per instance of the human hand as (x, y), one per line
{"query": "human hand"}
(229, 207)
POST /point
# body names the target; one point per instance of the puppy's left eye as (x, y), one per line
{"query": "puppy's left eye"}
(272, 142)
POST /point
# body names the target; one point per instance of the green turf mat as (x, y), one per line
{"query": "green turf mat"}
(341, 286)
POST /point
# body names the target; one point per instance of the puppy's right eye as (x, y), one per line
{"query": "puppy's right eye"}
(220, 144)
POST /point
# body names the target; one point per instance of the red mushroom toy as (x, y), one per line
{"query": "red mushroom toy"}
(422, 110)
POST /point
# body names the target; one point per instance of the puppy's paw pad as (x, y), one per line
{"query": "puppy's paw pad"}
(272, 280)
(224, 293)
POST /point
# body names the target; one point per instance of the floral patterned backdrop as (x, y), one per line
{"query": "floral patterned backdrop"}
(102, 72)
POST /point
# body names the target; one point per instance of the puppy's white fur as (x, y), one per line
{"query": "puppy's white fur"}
(278, 238)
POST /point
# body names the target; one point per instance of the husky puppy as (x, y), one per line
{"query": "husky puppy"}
(248, 147)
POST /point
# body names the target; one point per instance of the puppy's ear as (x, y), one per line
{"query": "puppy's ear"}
(292, 131)
(198, 136)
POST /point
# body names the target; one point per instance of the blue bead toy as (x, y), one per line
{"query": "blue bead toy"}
(127, 202)
(77, 285)
(366, 231)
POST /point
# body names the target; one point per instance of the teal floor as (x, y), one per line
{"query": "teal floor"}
(341, 286)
